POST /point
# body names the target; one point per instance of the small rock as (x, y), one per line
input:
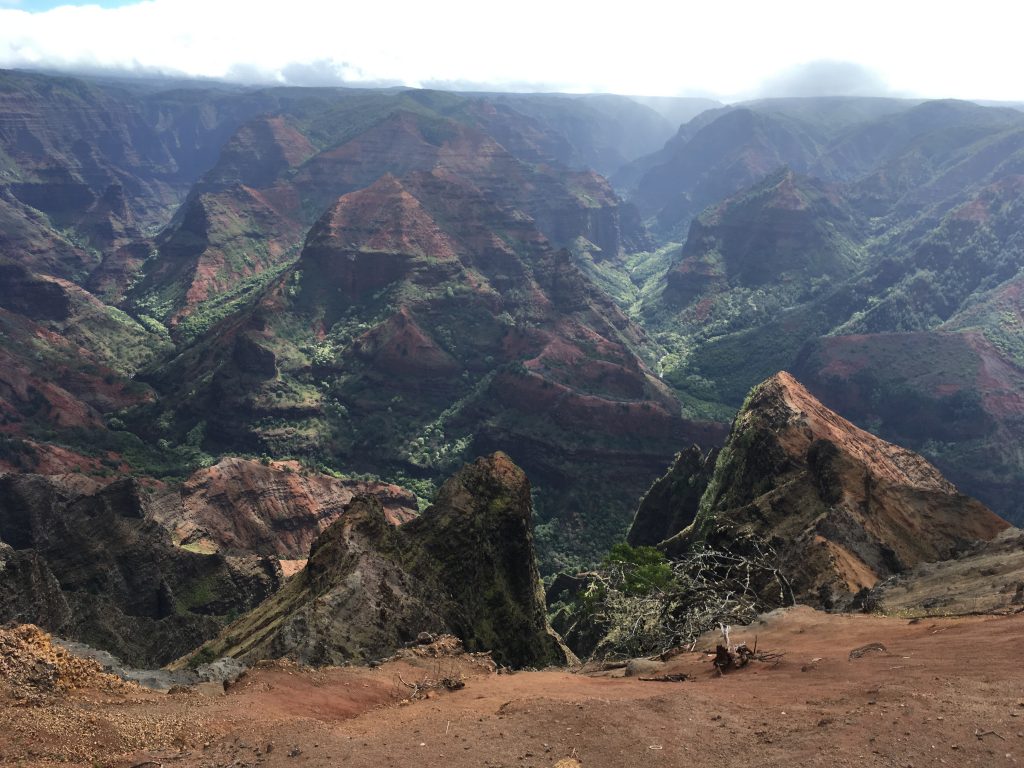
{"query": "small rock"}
(639, 667)
(210, 688)
(225, 670)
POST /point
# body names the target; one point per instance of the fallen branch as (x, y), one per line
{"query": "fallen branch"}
(709, 589)
(676, 678)
(982, 734)
(863, 650)
(421, 688)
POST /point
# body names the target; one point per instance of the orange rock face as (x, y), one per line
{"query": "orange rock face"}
(239, 505)
(956, 395)
(842, 507)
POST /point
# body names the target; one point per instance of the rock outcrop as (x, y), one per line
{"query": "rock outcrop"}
(465, 566)
(841, 507)
(240, 506)
(671, 503)
(93, 567)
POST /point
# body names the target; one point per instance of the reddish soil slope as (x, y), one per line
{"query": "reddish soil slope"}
(941, 693)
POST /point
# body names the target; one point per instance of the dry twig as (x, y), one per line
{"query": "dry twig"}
(677, 678)
(982, 734)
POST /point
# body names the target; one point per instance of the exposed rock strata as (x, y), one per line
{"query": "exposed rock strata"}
(465, 566)
(240, 506)
(92, 567)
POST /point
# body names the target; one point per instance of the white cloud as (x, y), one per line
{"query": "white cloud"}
(827, 78)
(645, 46)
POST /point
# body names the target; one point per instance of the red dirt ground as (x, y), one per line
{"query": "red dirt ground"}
(946, 692)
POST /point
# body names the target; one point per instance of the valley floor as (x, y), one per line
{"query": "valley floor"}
(945, 691)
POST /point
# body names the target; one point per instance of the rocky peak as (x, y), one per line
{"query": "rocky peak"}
(384, 217)
(841, 507)
(672, 501)
(478, 535)
(784, 406)
(260, 151)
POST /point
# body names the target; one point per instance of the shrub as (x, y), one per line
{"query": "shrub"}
(644, 569)
(638, 603)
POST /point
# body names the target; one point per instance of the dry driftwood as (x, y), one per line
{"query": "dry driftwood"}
(676, 678)
(420, 688)
(863, 650)
(728, 658)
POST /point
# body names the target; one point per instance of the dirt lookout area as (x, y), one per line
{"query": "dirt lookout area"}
(833, 690)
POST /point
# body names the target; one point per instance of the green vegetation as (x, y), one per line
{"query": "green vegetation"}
(196, 595)
(645, 569)
(204, 315)
(637, 603)
(205, 655)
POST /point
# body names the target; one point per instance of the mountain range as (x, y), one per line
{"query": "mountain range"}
(385, 284)
(332, 403)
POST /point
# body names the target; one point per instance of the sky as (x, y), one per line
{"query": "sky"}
(729, 49)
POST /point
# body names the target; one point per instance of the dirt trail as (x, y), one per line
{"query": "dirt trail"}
(945, 691)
